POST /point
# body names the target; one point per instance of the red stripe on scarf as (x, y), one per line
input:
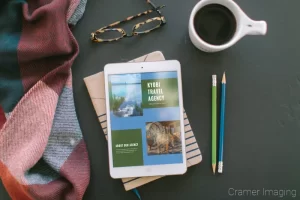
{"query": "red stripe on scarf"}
(77, 169)
(47, 47)
(14, 188)
(2, 117)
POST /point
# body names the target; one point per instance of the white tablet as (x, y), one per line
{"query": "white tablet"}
(145, 125)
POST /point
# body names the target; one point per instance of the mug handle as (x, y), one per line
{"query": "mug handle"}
(256, 27)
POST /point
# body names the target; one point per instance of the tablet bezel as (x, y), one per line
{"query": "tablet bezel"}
(148, 170)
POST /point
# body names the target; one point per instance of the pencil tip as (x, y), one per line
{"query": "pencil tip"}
(214, 168)
(224, 78)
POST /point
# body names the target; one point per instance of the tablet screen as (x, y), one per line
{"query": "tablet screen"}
(145, 119)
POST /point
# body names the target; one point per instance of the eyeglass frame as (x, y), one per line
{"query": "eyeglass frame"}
(161, 18)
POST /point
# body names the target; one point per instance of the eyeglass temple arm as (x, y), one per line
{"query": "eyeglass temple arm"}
(151, 3)
(154, 7)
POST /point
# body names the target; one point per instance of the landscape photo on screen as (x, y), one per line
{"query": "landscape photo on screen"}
(126, 95)
(163, 137)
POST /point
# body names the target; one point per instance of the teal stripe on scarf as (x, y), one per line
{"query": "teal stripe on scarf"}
(11, 87)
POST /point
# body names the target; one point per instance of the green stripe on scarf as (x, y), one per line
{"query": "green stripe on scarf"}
(11, 88)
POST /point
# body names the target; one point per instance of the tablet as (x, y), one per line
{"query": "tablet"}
(145, 127)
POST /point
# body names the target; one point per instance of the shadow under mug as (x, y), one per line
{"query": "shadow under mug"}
(244, 25)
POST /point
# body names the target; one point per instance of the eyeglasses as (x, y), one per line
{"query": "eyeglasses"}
(140, 28)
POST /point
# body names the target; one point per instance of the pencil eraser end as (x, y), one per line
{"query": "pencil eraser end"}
(220, 167)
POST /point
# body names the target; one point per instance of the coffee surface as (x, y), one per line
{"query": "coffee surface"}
(215, 24)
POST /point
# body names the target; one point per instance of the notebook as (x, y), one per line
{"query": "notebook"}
(96, 89)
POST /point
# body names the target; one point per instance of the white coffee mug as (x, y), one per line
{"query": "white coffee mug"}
(244, 26)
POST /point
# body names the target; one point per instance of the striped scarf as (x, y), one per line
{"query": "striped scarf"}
(42, 151)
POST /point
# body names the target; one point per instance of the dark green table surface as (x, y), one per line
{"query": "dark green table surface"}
(262, 141)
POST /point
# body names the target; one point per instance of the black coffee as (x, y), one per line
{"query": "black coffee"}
(215, 24)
